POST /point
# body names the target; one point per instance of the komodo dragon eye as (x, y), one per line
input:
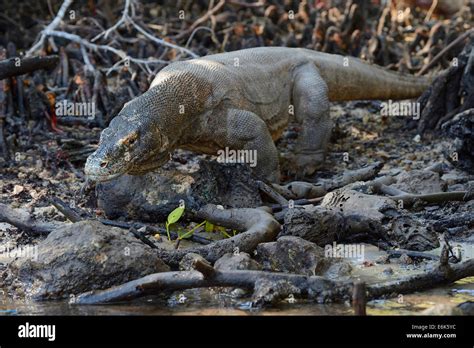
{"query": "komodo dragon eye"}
(129, 139)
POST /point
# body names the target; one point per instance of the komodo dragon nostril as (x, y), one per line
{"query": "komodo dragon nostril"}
(104, 164)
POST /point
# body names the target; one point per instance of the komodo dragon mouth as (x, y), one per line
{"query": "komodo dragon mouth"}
(95, 172)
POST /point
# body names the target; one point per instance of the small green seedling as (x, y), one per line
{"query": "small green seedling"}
(173, 217)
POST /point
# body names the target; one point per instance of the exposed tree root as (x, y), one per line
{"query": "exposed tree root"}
(25, 222)
(259, 227)
(269, 287)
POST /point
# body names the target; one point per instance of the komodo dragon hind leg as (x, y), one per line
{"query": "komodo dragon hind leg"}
(310, 98)
(247, 131)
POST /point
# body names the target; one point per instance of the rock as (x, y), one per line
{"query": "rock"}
(406, 260)
(442, 309)
(467, 308)
(186, 263)
(455, 177)
(461, 130)
(412, 234)
(237, 261)
(383, 259)
(388, 271)
(338, 270)
(323, 225)
(294, 255)
(80, 257)
(456, 187)
(313, 223)
(419, 181)
(350, 201)
(151, 197)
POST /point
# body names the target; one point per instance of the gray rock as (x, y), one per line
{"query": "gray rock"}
(239, 261)
(313, 223)
(419, 181)
(81, 257)
(151, 197)
(339, 269)
(412, 234)
(294, 255)
(186, 263)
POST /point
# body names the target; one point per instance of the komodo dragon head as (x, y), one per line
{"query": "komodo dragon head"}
(148, 128)
(133, 143)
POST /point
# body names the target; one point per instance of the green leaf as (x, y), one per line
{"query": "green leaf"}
(223, 231)
(173, 217)
(209, 227)
(190, 232)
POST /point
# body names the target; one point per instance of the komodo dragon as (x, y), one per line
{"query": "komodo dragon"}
(241, 100)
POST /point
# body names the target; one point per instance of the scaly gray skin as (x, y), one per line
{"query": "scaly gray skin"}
(241, 100)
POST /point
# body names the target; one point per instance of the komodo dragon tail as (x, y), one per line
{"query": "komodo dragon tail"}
(350, 78)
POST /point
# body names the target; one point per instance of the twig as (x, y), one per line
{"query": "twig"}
(444, 51)
(201, 20)
(270, 192)
(427, 280)
(438, 197)
(140, 236)
(53, 25)
(431, 10)
(161, 41)
(127, 19)
(65, 209)
(121, 21)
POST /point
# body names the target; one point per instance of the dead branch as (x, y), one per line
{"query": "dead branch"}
(444, 51)
(428, 280)
(351, 176)
(438, 197)
(300, 189)
(312, 287)
(24, 221)
(53, 25)
(201, 20)
(272, 193)
(170, 281)
(16, 66)
(126, 19)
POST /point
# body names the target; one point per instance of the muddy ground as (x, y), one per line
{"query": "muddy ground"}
(46, 157)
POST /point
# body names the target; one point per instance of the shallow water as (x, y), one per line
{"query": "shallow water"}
(206, 302)
(213, 302)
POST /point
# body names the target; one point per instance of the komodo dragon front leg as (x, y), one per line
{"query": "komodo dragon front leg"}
(245, 130)
(310, 98)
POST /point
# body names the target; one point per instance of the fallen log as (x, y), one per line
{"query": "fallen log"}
(203, 276)
(19, 66)
(313, 287)
(431, 279)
